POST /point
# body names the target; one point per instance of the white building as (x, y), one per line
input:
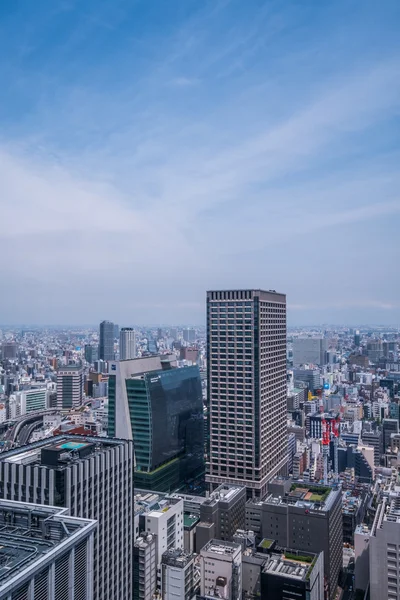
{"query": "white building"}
(127, 343)
(221, 570)
(178, 576)
(3, 413)
(384, 549)
(69, 387)
(33, 400)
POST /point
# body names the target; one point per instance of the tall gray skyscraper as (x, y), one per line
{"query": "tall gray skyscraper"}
(246, 373)
(127, 343)
(93, 478)
(106, 346)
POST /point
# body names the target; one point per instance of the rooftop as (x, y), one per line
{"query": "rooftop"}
(224, 493)
(58, 451)
(221, 548)
(290, 564)
(146, 501)
(176, 558)
(28, 532)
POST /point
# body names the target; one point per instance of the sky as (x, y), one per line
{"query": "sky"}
(152, 150)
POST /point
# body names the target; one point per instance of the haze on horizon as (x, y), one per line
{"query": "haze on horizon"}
(150, 151)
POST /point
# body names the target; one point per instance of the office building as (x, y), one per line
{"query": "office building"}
(160, 407)
(144, 567)
(221, 514)
(361, 557)
(309, 350)
(246, 376)
(9, 350)
(69, 387)
(179, 577)
(161, 516)
(357, 338)
(127, 343)
(311, 377)
(221, 570)
(374, 440)
(106, 346)
(91, 353)
(44, 553)
(189, 335)
(92, 477)
(389, 426)
(306, 518)
(292, 575)
(32, 400)
(384, 548)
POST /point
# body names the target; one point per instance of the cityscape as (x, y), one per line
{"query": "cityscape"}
(238, 460)
(199, 300)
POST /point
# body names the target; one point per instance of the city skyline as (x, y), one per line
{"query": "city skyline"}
(252, 137)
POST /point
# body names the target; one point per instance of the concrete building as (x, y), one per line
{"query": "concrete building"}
(189, 335)
(307, 518)
(9, 350)
(106, 345)
(309, 350)
(34, 399)
(169, 435)
(93, 478)
(161, 516)
(389, 426)
(44, 553)
(127, 343)
(311, 377)
(246, 377)
(361, 552)
(91, 353)
(69, 387)
(144, 567)
(292, 575)
(221, 514)
(179, 578)
(374, 440)
(221, 570)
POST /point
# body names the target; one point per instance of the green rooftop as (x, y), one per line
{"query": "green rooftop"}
(266, 543)
(189, 520)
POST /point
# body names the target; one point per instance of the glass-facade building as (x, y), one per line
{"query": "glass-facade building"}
(166, 415)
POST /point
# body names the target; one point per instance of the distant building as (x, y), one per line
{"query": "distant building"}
(69, 387)
(389, 426)
(169, 436)
(127, 343)
(9, 350)
(45, 553)
(189, 335)
(309, 351)
(312, 377)
(91, 353)
(106, 345)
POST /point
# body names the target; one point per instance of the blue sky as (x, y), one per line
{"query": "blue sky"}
(152, 150)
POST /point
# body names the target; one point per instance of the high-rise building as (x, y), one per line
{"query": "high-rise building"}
(246, 374)
(309, 518)
(91, 353)
(127, 343)
(221, 570)
(160, 407)
(312, 377)
(189, 335)
(310, 350)
(106, 345)
(44, 553)
(384, 548)
(69, 387)
(389, 426)
(144, 567)
(357, 339)
(92, 477)
(9, 350)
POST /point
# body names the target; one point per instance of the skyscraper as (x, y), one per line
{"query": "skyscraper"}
(106, 346)
(127, 343)
(309, 350)
(69, 387)
(160, 407)
(92, 477)
(246, 374)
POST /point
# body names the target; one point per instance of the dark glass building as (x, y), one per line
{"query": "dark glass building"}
(161, 409)
(106, 345)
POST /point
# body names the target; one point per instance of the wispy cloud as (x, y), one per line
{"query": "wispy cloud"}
(199, 164)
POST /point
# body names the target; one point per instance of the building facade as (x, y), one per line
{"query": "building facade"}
(308, 351)
(127, 343)
(69, 387)
(246, 374)
(93, 478)
(160, 407)
(106, 345)
(44, 553)
(221, 570)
